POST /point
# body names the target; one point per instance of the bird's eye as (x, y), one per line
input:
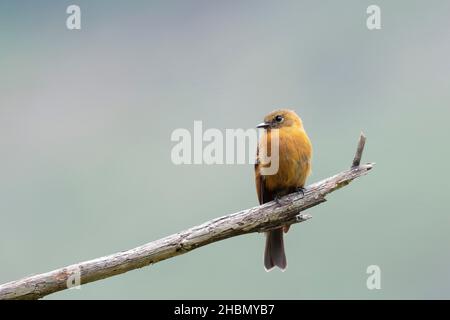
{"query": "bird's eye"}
(278, 118)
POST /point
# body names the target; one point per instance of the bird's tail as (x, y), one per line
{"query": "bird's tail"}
(274, 253)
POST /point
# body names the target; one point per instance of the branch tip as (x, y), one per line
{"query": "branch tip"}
(303, 217)
(359, 150)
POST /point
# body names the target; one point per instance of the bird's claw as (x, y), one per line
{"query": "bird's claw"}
(280, 202)
(300, 190)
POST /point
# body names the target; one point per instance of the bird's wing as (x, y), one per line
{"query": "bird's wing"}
(259, 181)
(264, 195)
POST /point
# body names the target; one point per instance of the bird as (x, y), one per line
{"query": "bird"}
(294, 166)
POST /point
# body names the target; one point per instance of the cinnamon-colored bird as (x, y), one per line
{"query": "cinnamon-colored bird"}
(294, 166)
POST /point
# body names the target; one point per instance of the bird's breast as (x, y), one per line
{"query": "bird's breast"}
(294, 158)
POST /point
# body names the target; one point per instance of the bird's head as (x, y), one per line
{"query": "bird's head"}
(281, 118)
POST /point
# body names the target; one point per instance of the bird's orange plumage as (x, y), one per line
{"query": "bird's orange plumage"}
(294, 156)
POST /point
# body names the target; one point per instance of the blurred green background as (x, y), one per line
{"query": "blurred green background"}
(86, 118)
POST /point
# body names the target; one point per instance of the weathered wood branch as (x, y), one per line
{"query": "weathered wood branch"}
(257, 219)
(359, 150)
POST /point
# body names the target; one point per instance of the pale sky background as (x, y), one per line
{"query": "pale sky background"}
(86, 118)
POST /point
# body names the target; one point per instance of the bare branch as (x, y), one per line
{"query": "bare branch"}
(258, 219)
(359, 150)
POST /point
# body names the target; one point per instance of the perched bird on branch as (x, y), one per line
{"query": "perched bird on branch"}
(282, 165)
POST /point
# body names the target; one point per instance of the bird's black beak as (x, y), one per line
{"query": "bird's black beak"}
(263, 125)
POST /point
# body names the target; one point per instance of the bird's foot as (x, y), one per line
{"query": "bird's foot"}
(280, 202)
(300, 190)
